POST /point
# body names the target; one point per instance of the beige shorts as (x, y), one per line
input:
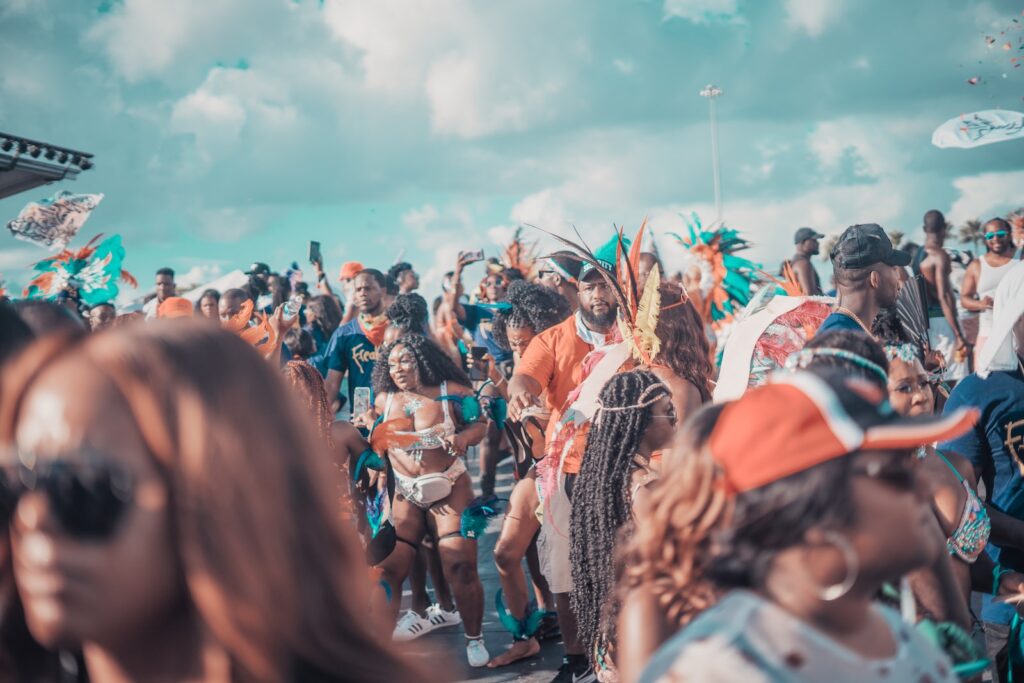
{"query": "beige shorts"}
(553, 542)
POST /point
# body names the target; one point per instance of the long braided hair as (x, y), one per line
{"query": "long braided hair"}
(602, 503)
(310, 390)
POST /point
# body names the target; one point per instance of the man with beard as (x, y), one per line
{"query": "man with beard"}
(934, 265)
(553, 367)
(867, 273)
(806, 241)
(985, 273)
(352, 349)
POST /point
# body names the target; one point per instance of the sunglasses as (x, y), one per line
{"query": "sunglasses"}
(899, 473)
(994, 235)
(87, 498)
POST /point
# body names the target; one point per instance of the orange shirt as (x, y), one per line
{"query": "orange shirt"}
(553, 359)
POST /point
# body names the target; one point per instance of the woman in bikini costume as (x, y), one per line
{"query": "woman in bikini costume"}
(419, 395)
(635, 419)
(535, 308)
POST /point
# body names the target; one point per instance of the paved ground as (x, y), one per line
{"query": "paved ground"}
(448, 645)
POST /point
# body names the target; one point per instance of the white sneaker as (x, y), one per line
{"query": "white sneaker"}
(411, 626)
(476, 653)
(440, 617)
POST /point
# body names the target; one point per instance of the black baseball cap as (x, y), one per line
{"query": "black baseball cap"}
(806, 234)
(861, 246)
(258, 269)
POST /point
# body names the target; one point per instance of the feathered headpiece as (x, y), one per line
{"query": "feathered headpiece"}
(618, 262)
(727, 279)
(93, 270)
(521, 255)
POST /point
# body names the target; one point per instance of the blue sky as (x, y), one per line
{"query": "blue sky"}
(227, 131)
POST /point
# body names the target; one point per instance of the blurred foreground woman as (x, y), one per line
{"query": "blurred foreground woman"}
(171, 516)
(768, 545)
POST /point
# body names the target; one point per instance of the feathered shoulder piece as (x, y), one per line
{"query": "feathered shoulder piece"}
(255, 330)
(93, 270)
(727, 280)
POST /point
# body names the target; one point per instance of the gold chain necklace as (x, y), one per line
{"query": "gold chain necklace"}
(847, 312)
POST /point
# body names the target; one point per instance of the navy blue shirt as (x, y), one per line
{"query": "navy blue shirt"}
(349, 352)
(995, 446)
(478, 323)
(839, 321)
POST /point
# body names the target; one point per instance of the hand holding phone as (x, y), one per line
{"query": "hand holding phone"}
(314, 252)
(474, 256)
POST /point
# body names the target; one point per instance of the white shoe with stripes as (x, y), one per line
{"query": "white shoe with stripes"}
(411, 625)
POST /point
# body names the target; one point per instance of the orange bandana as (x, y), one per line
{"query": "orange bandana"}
(373, 327)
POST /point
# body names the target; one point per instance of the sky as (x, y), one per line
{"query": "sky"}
(229, 131)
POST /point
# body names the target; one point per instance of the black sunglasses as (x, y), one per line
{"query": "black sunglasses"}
(87, 497)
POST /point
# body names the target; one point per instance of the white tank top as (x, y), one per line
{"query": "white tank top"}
(989, 279)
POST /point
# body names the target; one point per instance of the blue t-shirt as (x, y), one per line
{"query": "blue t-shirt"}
(351, 353)
(995, 446)
(478, 323)
(839, 321)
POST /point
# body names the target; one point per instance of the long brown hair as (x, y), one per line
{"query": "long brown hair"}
(270, 569)
(684, 346)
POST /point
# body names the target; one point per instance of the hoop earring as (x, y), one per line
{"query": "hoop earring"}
(838, 590)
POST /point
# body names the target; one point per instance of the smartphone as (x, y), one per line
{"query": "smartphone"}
(314, 252)
(361, 400)
(471, 256)
(478, 373)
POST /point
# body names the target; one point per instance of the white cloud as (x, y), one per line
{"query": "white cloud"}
(861, 63)
(625, 67)
(813, 16)
(143, 38)
(217, 111)
(879, 147)
(700, 11)
(986, 195)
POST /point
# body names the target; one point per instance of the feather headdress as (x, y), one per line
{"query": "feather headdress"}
(639, 311)
(254, 329)
(93, 270)
(521, 255)
(731, 277)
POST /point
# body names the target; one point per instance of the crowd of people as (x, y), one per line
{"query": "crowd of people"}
(242, 486)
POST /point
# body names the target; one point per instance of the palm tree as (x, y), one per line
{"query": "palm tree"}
(896, 237)
(971, 233)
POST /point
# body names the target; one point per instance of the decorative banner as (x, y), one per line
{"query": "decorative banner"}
(979, 128)
(93, 271)
(53, 222)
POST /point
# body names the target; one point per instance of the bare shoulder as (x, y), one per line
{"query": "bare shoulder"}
(963, 466)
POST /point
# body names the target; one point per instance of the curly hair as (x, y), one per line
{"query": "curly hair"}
(697, 543)
(684, 346)
(435, 366)
(602, 503)
(310, 389)
(408, 314)
(534, 306)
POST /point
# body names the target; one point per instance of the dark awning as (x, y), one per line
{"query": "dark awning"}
(25, 164)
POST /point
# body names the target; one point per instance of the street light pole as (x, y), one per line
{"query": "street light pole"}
(711, 92)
